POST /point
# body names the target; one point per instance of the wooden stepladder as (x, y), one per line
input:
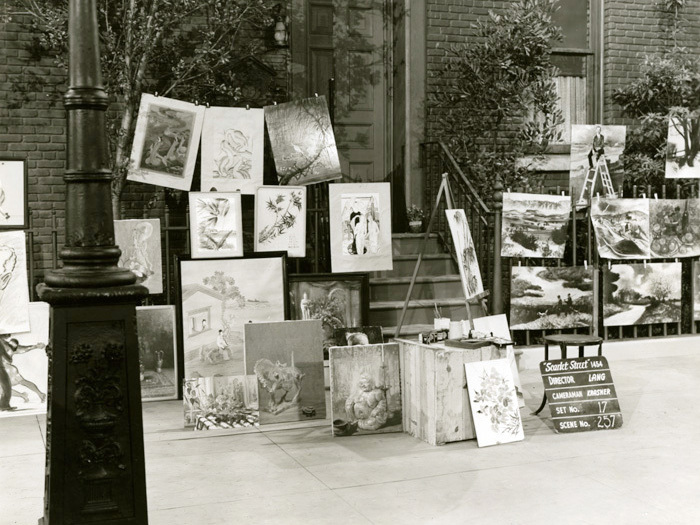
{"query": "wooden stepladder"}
(601, 169)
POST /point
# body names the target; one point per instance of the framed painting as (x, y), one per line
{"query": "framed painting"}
(14, 285)
(683, 148)
(280, 220)
(469, 271)
(674, 228)
(215, 225)
(590, 144)
(360, 224)
(166, 142)
(139, 241)
(232, 149)
(339, 300)
(27, 371)
(14, 203)
(221, 402)
(621, 228)
(218, 297)
(157, 336)
(302, 141)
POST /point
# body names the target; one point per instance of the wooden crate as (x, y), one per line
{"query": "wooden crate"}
(435, 401)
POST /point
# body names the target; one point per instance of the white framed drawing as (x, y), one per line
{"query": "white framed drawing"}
(14, 210)
(14, 285)
(215, 225)
(360, 224)
(466, 253)
(139, 241)
(280, 220)
(157, 336)
(232, 149)
(166, 142)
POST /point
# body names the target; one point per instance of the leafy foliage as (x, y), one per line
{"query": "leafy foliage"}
(285, 216)
(226, 286)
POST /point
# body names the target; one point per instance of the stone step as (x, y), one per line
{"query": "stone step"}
(425, 287)
(420, 311)
(409, 243)
(433, 264)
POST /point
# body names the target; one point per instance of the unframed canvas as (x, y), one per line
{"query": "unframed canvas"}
(13, 194)
(621, 227)
(674, 226)
(683, 148)
(139, 241)
(166, 142)
(221, 403)
(232, 149)
(280, 220)
(584, 155)
(215, 225)
(469, 271)
(14, 286)
(157, 335)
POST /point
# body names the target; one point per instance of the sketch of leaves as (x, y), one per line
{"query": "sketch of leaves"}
(283, 220)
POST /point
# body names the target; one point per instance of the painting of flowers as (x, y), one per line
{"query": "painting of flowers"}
(215, 225)
(280, 220)
(674, 227)
(221, 403)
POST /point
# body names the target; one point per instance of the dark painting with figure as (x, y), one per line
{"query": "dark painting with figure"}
(155, 327)
(592, 145)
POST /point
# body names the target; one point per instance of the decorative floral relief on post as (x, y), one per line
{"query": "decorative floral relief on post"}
(98, 460)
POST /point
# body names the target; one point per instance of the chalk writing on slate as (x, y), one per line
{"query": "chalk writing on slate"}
(581, 394)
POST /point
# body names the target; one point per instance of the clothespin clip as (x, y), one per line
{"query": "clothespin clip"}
(207, 104)
(676, 260)
(585, 265)
(563, 194)
(609, 265)
(520, 263)
(645, 263)
(274, 102)
(196, 102)
(644, 195)
(656, 196)
(597, 195)
(247, 107)
(155, 94)
(508, 190)
(316, 95)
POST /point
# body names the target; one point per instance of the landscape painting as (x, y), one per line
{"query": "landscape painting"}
(683, 147)
(636, 294)
(139, 241)
(14, 286)
(550, 297)
(365, 389)
(219, 297)
(302, 141)
(535, 225)
(215, 225)
(589, 144)
(221, 403)
(674, 226)
(157, 336)
(621, 228)
(23, 358)
(166, 142)
(494, 402)
(360, 224)
(280, 220)
(290, 375)
(13, 194)
(468, 263)
(232, 149)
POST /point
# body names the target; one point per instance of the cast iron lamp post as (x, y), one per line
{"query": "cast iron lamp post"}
(94, 433)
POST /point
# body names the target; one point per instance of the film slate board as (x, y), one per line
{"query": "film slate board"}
(581, 394)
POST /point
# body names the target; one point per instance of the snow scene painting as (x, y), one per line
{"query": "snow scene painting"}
(674, 226)
(621, 227)
(635, 294)
(534, 225)
(14, 285)
(139, 241)
(549, 297)
(683, 147)
(589, 145)
(215, 224)
(469, 271)
(280, 220)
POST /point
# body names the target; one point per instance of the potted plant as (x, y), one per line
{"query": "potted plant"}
(415, 216)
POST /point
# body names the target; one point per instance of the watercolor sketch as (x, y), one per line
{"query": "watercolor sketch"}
(338, 300)
(218, 298)
(535, 225)
(683, 147)
(14, 286)
(621, 227)
(166, 142)
(232, 149)
(589, 145)
(221, 403)
(696, 291)
(550, 297)
(157, 336)
(280, 220)
(635, 294)
(24, 366)
(493, 402)
(365, 389)
(358, 335)
(360, 224)
(674, 227)
(466, 253)
(302, 141)
(13, 194)
(290, 375)
(139, 241)
(215, 225)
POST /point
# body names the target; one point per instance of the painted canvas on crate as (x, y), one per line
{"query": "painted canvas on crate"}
(287, 359)
(588, 144)
(14, 285)
(674, 226)
(280, 220)
(139, 241)
(534, 225)
(166, 142)
(494, 402)
(215, 224)
(157, 336)
(551, 297)
(683, 148)
(365, 389)
(621, 228)
(638, 294)
(221, 402)
(469, 271)
(23, 358)
(302, 141)
(218, 298)
(232, 149)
